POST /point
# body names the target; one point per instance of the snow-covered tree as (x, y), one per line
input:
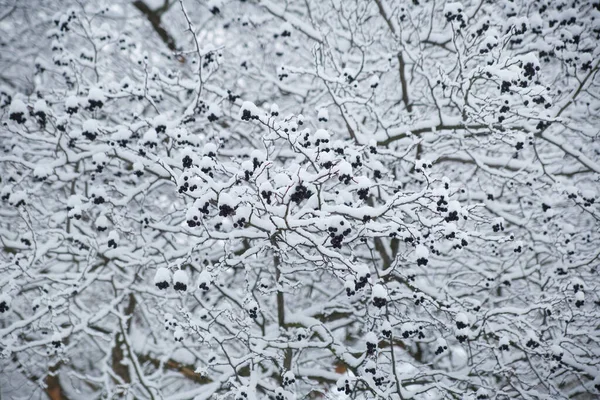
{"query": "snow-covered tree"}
(283, 200)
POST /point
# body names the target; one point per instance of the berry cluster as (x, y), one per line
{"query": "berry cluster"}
(267, 195)
(337, 239)
(288, 379)
(363, 193)
(226, 210)
(253, 312)
(379, 302)
(409, 331)
(452, 216)
(242, 396)
(379, 380)
(301, 193)
(345, 178)
(456, 16)
(440, 350)
(187, 162)
(498, 227)
(247, 115)
(344, 386)
(371, 348)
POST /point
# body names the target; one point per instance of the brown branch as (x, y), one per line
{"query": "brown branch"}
(117, 351)
(401, 64)
(287, 360)
(54, 389)
(186, 370)
(52, 384)
(403, 83)
(154, 16)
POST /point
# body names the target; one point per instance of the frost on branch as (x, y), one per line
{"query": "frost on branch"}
(301, 200)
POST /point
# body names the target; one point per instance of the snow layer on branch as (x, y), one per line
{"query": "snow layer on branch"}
(163, 275)
(96, 94)
(180, 280)
(17, 106)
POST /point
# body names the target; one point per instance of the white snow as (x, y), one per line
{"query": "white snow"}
(40, 106)
(361, 269)
(100, 159)
(96, 94)
(323, 114)
(162, 275)
(121, 133)
(74, 201)
(42, 171)
(17, 106)
(422, 251)
(379, 291)
(343, 168)
(209, 148)
(226, 225)
(371, 337)
(286, 26)
(258, 155)
(177, 133)
(101, 222)
(386, 326)
(363, 182)
(248, 106)
(556, 349)
(180, 276)
(214, 109)
(350, 284)
(322, 134)
(281, 180)
(226, 199)
(248, 166)
(192, 214)
(178, 334)
(251, 304)
(114, 235)
(160, 120)
(462, 318)
(98, 191)
(374, 81)
(150, 136)
(91, 126)
(204, 277)
(453, 8)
